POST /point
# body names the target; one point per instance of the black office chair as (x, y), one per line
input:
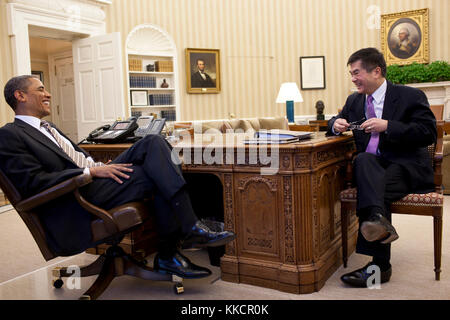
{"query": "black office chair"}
(109, 227)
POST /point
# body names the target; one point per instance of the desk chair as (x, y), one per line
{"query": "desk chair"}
(108, 227)
(428, 204)
(438, 111)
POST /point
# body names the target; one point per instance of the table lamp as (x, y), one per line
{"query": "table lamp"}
(289, 93)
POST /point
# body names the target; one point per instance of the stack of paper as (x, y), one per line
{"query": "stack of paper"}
(278, 136)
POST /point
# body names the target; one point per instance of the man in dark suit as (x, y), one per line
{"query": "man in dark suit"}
(392, 126)
(32, 156)
(201, 79)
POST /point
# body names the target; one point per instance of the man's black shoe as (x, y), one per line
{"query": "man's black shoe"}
(358, 278)
(201, 236)
(181, 266)
(377, 227)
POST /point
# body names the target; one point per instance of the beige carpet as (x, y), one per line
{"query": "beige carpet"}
(24, 274)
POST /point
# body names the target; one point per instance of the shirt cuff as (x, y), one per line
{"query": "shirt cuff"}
(86, 171)
(332, 130)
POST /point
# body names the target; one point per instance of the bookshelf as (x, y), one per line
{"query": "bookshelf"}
(151, 69)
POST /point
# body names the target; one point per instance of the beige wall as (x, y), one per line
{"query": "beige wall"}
(260, 43)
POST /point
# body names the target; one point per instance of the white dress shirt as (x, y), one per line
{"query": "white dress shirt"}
(378, 100)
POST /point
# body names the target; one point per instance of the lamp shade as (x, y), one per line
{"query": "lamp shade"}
(289, 92)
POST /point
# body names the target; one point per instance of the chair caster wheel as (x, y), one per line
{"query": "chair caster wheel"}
(178, 287)
(58, 283)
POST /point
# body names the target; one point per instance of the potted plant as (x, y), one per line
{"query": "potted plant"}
(418, 73)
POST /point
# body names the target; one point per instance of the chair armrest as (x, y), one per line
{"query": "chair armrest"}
(71, 185)
(54, 192)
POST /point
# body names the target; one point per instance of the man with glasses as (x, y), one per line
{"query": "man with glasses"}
(392, 127)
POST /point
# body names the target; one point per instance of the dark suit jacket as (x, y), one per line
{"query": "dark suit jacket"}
(34, 163)
(198, 82)
(411, 128)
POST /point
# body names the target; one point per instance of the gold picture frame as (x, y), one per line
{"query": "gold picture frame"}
(404, 37)
(209, 60)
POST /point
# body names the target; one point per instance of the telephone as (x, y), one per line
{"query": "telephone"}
(117, 132)
(129, 130)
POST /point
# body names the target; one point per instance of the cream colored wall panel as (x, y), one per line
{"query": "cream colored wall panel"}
(6, 68)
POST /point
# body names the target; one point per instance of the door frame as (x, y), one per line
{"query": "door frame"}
(25, 13)
(53, 81)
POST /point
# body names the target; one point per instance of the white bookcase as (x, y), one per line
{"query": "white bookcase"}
(151, 61)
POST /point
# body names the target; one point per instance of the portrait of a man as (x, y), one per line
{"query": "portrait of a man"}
(203, 71)
(404, 38)
(200, 78)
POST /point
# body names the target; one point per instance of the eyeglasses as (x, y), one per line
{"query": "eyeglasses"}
(356, 125)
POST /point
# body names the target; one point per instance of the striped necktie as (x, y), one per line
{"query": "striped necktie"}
(78, 157)
(375, 136)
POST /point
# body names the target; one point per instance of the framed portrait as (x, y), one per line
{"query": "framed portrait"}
(39, 75)
(404, 37)
(139, 98)
(312, 72)
(203, 70)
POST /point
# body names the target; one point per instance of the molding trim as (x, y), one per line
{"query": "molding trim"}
(437, 93)
(74, 18)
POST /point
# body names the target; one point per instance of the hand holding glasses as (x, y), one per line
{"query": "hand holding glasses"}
(356, 125)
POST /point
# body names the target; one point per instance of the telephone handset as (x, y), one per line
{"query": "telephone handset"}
(96, 132)
(145, 124)
(117, 132)
(129, 130)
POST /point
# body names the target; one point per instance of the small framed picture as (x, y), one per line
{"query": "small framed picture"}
(39, 75)
(312, 72)
(203, 70)
(404, 37)
(139, 98)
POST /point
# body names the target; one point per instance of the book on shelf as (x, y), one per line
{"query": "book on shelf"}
(164, 66)
(169, 115)
(160, 99)
(142, 82)
(135, 64)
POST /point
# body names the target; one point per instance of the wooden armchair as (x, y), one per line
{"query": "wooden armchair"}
(428, 204)
(108, 227)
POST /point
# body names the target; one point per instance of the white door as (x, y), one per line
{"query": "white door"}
(98, 73)
(66, 114)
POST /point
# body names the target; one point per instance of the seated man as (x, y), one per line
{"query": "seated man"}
(392, 127)
(35, 156)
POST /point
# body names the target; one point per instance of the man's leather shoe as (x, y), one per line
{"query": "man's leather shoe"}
(358, 278)
(201, 236)
(181, 266)
(377, 227)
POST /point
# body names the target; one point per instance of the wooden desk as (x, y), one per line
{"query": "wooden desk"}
(323, 124)
(287, 224)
